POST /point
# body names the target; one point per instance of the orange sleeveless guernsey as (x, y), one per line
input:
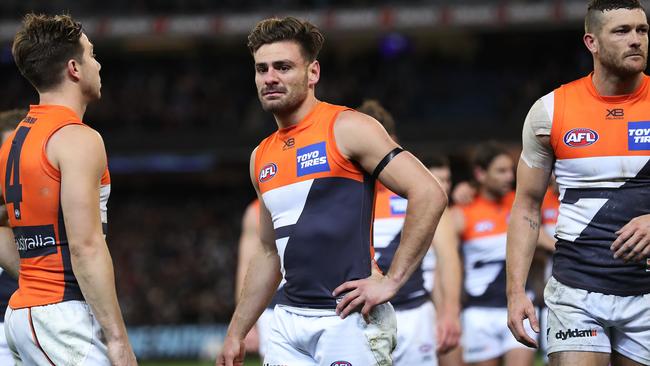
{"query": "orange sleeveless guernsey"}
(602, 151)
(484, 250)
(321, 205)
(31, 188)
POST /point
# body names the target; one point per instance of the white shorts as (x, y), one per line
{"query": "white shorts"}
(66, 333)
(309, 337)
(579, 320)
(6, 358)
(486, 334)
(264, 325)
(416, 336)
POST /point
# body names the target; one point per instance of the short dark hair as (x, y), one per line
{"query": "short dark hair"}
(10, 119)
(272, 30)
(596, 8)
(375, 110)
(437, 161)
(486, 152)
(43, 46)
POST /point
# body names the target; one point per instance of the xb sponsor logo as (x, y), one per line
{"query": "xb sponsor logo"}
(267, 172)
(615, 113)
(575, 333)
(580, 137)
(290, 143)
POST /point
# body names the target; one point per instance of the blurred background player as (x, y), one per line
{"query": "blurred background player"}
(446, 294)
(593, 134)
(417, 342)
(249, 243)
(550, 210)
(317, 208)
(482, 226)
(8, 277)
(55, 184)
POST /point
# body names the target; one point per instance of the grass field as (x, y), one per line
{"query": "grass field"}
(250, 361)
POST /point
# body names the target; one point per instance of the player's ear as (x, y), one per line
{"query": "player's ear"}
(313, 73)
(591, 42)
(479, 174)
(72, 69)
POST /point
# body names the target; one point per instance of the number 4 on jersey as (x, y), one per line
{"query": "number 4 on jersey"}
(13, 188)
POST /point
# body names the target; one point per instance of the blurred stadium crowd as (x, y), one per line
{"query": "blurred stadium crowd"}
(155, 7)
(173, 235)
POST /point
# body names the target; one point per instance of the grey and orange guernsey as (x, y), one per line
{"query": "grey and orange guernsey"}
(484, 319)
(390, 211)
(602, 150)
(321, 205)
(414, 311)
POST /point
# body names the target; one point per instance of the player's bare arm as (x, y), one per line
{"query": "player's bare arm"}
(258, 288)
(523, 235)
(448, 277)
(9, 258)
(362, 139)
(546, 241)
(79, 154)
(249, 244)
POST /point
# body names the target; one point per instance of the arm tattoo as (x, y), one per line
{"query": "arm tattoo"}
(534, 225)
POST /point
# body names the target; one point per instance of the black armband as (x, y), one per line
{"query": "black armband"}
(382, 164)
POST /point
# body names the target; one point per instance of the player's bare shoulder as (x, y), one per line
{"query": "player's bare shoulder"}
(351, 121)
(356, 132)
(76, 142)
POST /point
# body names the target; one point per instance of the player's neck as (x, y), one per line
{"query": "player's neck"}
(298, 114)
(489, 195)
(608, 84)
(67, 98)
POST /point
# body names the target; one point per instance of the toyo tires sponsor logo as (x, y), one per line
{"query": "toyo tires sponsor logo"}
(580, 137)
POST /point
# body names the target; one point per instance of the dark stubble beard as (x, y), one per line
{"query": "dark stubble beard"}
(291, 102)
(616, 65)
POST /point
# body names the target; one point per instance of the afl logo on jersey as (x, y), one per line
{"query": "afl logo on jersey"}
(484, 226)
(268, 171)
(580, 137)
(341, 363)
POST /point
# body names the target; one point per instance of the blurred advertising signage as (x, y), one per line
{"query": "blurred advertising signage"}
(478, 14)
(180, 341)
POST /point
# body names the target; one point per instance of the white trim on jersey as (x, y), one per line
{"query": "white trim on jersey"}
(604, 172)
(385, 230)
(290, 200)
(486, 249)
